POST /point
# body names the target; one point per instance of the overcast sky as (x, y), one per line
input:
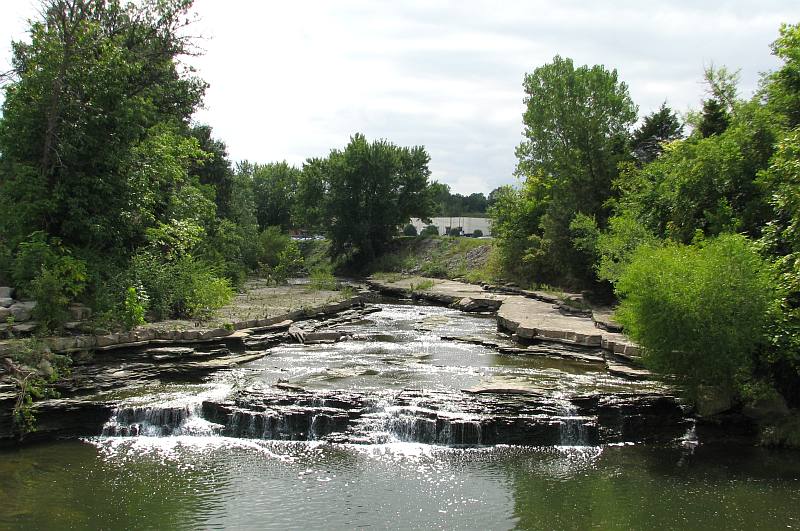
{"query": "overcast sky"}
(293, 79)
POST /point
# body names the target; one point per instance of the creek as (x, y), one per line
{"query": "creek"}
(396, 427)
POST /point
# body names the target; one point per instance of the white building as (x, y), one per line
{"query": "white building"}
(468, 225)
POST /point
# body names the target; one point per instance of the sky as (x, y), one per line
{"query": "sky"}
(294, 79)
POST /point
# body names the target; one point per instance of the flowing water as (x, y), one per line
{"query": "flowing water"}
(375, 431)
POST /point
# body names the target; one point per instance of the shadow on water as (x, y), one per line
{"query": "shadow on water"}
(641, 487)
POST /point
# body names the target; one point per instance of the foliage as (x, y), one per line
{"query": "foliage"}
(657, 128)
(133, 308)
(370, 189)
(706, 184)
(446, 203)
(430, 230)
(34, 370)
(454, 231)
(274, 189)
(477, 233)
(290, 262)
(576, 134)
(423, 285)
(409, 230)
(615, 247)
(783, 87)
(322, 279)
(90, 85)
(54, 288)
(205, 293)
(700, 312)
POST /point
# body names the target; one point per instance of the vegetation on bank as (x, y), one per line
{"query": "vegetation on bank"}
(468, 259)
(692, 223)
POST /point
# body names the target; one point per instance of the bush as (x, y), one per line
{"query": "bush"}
(409, 230)
(184, 287)
(477, 233)
(133, 309)
(271, 242)
(206, 293)
(322, 279)
(430, 230)
(455, 231)
(699, 311)
(58, 283)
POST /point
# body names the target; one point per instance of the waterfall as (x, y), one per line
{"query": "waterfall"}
(572, 428)
(163, 416)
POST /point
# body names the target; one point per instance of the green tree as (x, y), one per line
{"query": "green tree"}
(274, 191)
(93, 81)
(576, 134)
(706, 184)
(657, 128)
(371, 188)
(783, 89)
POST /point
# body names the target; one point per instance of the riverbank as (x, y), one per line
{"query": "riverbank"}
(529, 316)
(103, 365)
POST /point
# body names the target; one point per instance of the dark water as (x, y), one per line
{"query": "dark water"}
(197, 479)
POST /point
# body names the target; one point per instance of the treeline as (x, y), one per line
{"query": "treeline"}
(446, 203)
(694, 223)
(110, 195)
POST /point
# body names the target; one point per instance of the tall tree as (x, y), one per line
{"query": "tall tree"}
(275, 188)
(371, 188)
(576, 134)
(657, 127)
(92, 83)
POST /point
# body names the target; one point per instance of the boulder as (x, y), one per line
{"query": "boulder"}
(4, 314)
(6, 302)
(712, 401)
(22, 311)
(6, 292)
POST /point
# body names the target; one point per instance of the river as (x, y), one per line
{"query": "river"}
(376, 431)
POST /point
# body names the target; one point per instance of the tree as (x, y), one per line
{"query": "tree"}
(215, 169)
(274, 188)
(430, 230)
(657, 128)
(409, 230)
(714, 118)
(576, 134)
(93, 81)
(371, 189)
(783, 89)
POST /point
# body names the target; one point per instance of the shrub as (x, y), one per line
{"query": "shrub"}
(271, 242)
(290, 262)
(409, 230)
(477, 233)
(322, 279)
(207, 293)
(158, 279)
(699, 311)
(430, 230)
(56, 285)
(185, 287)
(133, 308)
(455, 231)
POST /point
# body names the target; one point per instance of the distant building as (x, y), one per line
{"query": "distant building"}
(468, 225)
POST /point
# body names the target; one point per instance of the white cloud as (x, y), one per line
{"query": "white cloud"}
(291, 80)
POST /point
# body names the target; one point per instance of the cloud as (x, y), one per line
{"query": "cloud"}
(291, 80)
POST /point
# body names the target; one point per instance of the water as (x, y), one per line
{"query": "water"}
(376, 432)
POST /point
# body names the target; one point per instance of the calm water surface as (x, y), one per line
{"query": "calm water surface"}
(196, 479)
